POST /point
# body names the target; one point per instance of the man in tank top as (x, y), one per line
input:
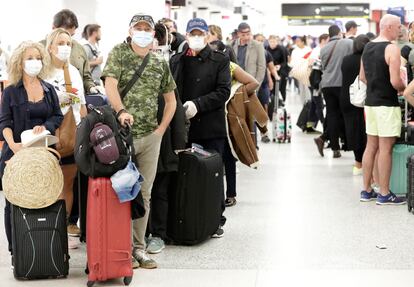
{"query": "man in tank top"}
(380, 70)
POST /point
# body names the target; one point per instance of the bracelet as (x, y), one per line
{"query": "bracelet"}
(120, 112)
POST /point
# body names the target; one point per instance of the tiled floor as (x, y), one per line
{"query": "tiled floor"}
(298, 222)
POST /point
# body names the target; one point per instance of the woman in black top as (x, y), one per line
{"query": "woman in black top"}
(28, 103)
(354, 117)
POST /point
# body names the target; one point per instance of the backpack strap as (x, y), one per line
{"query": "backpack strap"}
(135, 77)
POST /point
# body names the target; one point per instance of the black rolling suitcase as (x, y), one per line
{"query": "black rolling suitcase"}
(40, 242)
(195, 207)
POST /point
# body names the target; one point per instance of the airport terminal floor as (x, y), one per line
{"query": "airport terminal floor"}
(298, 222)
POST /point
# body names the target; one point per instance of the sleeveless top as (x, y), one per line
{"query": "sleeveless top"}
(380, 91)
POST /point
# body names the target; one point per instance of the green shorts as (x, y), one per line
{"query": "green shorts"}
(383, 121)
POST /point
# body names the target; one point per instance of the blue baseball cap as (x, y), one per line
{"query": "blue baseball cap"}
(197, 24)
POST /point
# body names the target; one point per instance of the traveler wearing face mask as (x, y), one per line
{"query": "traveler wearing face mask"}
(27, 103)
(68, 21)
(59, 46)
(174, 139)
(139, 107)
(203, 83)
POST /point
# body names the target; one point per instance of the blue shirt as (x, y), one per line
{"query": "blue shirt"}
(14, 114)
(241, 56)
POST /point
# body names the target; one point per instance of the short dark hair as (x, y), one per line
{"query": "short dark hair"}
(333, 31)
(161, 33)
(349, 25)
(89, 30)
(323, 37)
(243, 26)
(359, 43)
(371, 35)
(65, 19)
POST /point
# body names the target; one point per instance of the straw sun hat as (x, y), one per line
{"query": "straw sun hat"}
(33, 178)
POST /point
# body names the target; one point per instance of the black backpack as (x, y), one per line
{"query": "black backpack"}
(84, 153)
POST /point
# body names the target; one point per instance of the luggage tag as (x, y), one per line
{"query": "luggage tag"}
(199, 149)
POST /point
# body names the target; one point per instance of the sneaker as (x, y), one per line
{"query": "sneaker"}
(219, 233)
(319, 144)
(368, 196)
(265, 139)
(230, 201)
(356, 171)
(73, 243)
(144, 261)
(336, 154)
(73, 230)
(135, 263)
(390, 199)
(155, 245)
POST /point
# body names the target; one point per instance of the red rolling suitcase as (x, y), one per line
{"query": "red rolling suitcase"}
(108, 232)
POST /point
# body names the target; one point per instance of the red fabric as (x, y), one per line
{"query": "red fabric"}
(307, 55)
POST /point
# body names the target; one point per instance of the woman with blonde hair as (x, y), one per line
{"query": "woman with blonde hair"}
(59, 44)
(27, 103)
(215, 40)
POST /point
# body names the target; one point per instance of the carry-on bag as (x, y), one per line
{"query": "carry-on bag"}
(195, 207)
(410, 184)
(40, 242)
(108, 238)
(281, 123)
(400, 153)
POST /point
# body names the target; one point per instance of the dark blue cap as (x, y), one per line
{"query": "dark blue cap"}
(197, 24)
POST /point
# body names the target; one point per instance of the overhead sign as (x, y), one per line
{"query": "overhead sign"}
(325, 11)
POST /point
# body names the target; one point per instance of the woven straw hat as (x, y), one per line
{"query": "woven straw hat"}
(33, 178)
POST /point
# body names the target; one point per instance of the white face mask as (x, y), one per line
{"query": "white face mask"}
(196, 43)
(32, 67)
(63, 53)
(142, 38)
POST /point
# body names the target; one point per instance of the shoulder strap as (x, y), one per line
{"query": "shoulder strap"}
(66, 75)
(135, 77)
(94, 52)
(331, 53)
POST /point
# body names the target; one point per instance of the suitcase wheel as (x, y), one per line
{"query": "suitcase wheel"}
(127, 280)
(90, 283)
(274, 140)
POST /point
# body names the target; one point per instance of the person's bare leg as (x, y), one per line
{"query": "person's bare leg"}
(368, 161)
(69, 173)
(375, 176)
(385, 163)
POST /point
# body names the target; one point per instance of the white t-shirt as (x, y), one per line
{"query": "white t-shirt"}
(298, 55)
(57, 79)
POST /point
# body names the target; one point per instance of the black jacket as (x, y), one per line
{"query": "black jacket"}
(174, 137)
(14, 114)
(226, 49)
(207, 80)
(280, 57)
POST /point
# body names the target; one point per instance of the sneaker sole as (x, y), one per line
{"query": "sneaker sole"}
(73, 235)
(148, 266)
(155, 251)
(367, 200)
(391, 203)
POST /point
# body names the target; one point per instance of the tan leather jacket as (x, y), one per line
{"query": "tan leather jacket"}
(242, 111)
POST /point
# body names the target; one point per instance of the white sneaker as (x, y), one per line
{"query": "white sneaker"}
(356, 170)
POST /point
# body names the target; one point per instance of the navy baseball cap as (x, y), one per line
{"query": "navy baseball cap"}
(197, 24)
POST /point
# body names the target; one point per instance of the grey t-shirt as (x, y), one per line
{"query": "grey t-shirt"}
(92, 52)
(332, 74)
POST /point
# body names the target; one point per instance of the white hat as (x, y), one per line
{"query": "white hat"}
(43, 139)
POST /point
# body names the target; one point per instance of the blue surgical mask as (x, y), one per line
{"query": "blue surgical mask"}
(142, 38)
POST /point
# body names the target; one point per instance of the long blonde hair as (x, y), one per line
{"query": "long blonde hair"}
(15, 67)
